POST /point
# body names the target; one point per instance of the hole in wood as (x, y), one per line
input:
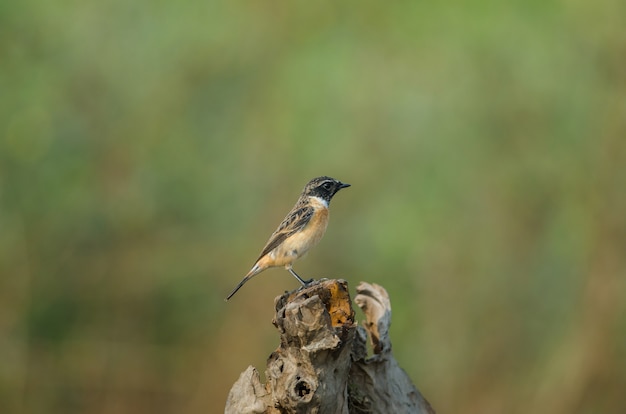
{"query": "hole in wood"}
(302, 388)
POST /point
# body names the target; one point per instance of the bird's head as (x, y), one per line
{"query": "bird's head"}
(323, 187)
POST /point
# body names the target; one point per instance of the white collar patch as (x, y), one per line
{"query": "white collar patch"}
(320, 200)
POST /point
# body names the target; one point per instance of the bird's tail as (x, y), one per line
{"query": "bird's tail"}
(256, 269)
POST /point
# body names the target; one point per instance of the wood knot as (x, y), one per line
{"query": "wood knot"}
(302, 388)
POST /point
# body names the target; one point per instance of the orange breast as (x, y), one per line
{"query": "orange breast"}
(298, 244)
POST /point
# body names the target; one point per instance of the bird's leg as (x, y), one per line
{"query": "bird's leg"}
(304, 282)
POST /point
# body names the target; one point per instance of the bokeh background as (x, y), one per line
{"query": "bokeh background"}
(148, 149)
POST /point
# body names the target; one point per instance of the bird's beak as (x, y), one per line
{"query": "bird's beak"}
(343, 185)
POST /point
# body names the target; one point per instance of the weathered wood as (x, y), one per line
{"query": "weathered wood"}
(379, 384)
(321, 365)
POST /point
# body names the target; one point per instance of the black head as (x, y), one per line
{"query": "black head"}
(323, 187)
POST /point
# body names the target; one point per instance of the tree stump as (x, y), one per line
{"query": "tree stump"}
(321, 365)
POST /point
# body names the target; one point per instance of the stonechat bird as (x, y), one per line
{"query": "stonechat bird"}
(302, 229)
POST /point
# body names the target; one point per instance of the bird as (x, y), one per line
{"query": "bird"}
(302, 228)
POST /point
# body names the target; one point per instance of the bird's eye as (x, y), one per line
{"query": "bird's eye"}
(327, 185)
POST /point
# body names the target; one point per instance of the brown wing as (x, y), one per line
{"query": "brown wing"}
(294, 222)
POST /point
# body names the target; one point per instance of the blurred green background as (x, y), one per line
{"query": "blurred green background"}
(148, 149)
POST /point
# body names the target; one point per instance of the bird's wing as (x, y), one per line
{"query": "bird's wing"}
(294, 222)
